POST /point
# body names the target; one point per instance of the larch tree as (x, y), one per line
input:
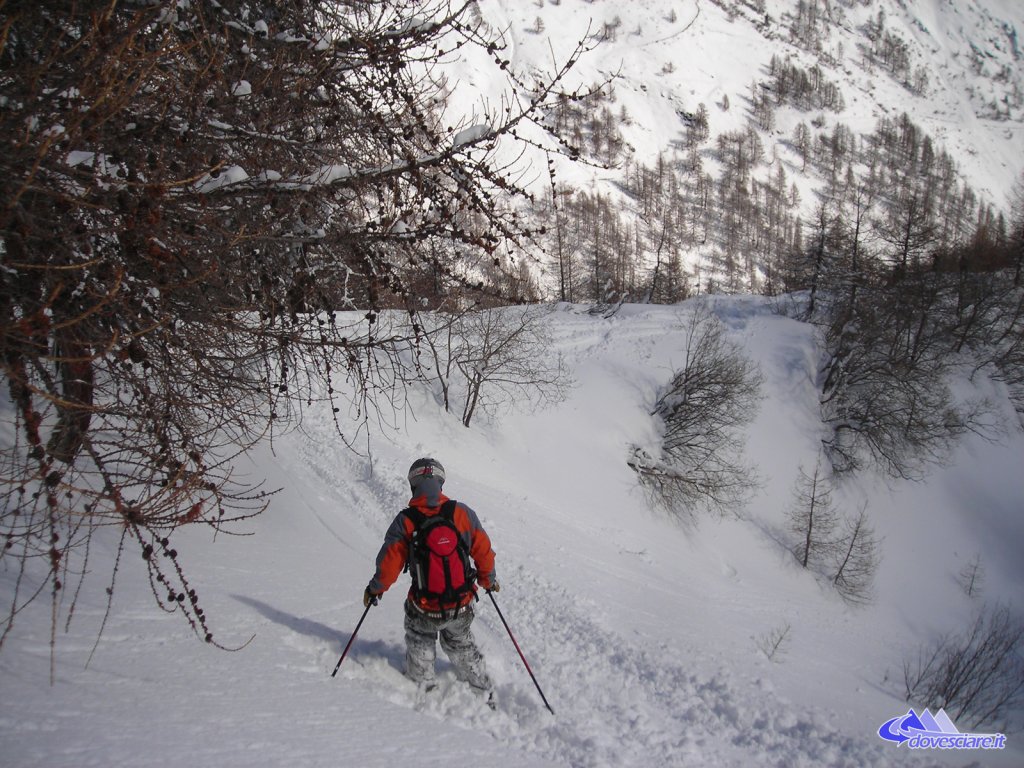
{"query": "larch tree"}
(207, 207)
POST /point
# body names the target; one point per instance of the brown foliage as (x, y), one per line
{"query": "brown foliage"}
(205, 207)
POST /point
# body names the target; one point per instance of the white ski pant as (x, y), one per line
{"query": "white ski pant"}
(421, 634)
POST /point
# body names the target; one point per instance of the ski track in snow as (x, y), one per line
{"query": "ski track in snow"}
(618, 701)
(639, 632)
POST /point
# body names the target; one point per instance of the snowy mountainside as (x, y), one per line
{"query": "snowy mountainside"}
(954, 67)
(646, 632)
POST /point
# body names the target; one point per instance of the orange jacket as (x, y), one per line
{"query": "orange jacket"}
(395, 552)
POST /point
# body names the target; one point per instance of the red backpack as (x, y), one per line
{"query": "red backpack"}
(439, 558)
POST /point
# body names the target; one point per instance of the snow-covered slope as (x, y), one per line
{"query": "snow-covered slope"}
(644, 631)
(955, 68)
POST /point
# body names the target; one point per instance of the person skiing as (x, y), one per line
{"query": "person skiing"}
(440, 599)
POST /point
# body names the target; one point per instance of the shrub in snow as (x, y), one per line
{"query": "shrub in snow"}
(885, 384)
(702, 411)
(977, 676)
(773, 644)
(972, 577)
(494, 358)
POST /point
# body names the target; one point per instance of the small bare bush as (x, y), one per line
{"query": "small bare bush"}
(773, 644)
(855, 559)
(494, 358)
(972, 577)
(976, 676)
(708, 401)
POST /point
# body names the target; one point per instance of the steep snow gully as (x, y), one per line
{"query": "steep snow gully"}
(645, 631)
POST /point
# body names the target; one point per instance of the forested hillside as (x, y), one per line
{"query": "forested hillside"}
(728, 141)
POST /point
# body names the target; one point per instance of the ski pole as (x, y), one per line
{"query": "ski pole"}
(520, 650)
(344, 653)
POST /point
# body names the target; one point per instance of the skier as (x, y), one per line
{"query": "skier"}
(431, 610)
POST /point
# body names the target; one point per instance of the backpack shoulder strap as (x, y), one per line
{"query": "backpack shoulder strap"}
(415, 516)
(448, 510)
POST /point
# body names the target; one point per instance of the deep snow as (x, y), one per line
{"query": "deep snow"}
(643, 630)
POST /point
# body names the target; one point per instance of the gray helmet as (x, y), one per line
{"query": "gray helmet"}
(424, 468)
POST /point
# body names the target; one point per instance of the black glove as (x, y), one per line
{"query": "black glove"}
(370, 598)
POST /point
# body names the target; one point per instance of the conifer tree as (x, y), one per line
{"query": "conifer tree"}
(813, 516)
